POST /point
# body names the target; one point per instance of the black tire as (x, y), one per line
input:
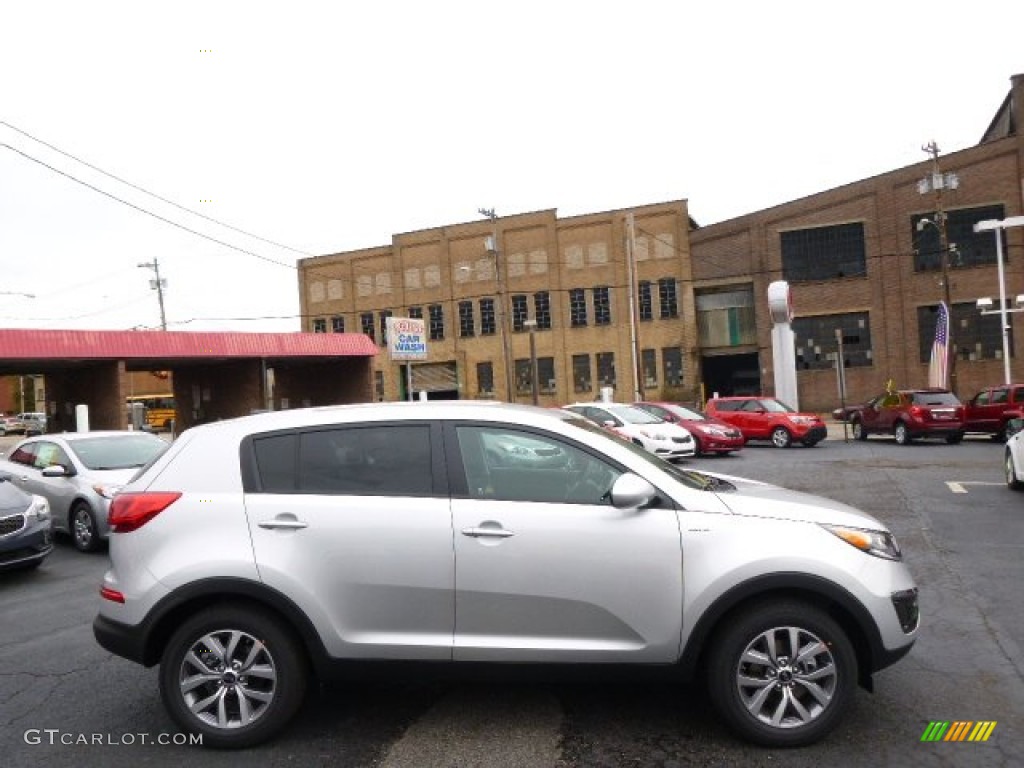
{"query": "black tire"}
(811, 443)
(781, 437)
(902, 433)
(1010, 471)
(82, 526)
(275, 693)
(831, 671)
(956, 437)
(859, 432)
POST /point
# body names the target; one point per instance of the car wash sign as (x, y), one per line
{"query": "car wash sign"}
(407, 338)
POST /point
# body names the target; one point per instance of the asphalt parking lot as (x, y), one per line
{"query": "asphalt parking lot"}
(961, 530)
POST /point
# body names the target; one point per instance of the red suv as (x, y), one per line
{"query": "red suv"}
(766, 418)
(909, 413)
(990, 409)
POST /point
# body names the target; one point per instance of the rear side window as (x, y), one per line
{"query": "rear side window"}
(728, 405)
(373, 460)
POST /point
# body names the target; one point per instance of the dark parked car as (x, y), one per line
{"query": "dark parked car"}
(711, 435)
(766, 418)
(25, 538)
(991, 408)
(907, 414)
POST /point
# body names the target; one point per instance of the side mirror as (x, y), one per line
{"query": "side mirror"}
(56, 470)
(632, 492)
(1013, 426)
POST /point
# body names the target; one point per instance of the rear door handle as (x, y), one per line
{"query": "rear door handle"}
(283, 524)
(493, 533)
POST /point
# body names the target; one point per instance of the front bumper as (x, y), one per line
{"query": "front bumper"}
(26, 547)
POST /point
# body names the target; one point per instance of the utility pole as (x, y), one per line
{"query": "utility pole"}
(503, 314)
(936, 183)
(158, 284)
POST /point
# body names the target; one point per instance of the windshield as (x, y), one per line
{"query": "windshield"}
(632, 415)
(687, 477)
(128, 452)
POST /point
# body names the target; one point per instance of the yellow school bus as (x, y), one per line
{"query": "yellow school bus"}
(159, 410)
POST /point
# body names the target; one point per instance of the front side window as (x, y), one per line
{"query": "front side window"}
(507, 464)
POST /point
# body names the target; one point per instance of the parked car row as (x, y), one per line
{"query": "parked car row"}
(23, 424)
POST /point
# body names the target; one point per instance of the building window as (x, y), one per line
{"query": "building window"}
(523, 384)
(649, 366)
(667, 298)
(606, 369)
(366, 323)
(546, 374)
(416, 313)
(975, 336)
(645, 303)
(384, 315)
(436, 322)
(824, 253)
(337, 324)
(519, 312)
(967, 248)
(542, 310)
(466, 328)
(816, 345)
(319, 325)
(602, 306)
(727, 318)
(581, 381)
(487, 324)
(672, 363)
(577, 308)
(485, 378)
(378, 385)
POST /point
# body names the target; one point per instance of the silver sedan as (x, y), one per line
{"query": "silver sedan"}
(78, 473)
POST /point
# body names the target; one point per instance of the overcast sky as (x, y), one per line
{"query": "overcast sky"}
(329, 126)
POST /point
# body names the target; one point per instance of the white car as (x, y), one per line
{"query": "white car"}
(660, 437)
(1013, 456)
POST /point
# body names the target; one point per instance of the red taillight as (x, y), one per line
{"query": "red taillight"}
(129, 511)
(111, 594)
(918, 412)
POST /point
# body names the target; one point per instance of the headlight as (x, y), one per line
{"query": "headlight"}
(39, 508)
(107, 490)
(878, 543)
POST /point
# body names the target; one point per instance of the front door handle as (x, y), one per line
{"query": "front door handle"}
(493, 533)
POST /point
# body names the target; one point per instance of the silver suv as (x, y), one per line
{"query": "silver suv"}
(259, 549)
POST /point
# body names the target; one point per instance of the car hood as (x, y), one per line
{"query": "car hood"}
(107, 476)
(756, 499)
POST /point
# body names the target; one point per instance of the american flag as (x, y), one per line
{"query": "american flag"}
(938, 368)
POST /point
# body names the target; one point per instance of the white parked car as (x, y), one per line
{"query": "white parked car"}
(1013, 455)
(660, 437)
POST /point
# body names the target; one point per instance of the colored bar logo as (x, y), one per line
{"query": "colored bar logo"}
(958, 730)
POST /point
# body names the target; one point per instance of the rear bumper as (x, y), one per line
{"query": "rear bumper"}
(120, 639)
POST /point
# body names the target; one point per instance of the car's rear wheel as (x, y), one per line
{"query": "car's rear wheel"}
(956, 437)
(1010, 469)
(782, 674)
(781, 437)
(233, 675)
(82, 524)
(901, 433)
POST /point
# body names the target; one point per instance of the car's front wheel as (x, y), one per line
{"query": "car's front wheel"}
(781, 437)
(233, 675)
(1010, 469)
(83, 528)
(782, 674)
(859, 432)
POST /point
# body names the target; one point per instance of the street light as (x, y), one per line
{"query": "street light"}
(997, 226)
(531, 326)
(502, 314)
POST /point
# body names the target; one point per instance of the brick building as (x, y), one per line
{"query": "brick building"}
(860, 259)
(865, 259)
(569, 275)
